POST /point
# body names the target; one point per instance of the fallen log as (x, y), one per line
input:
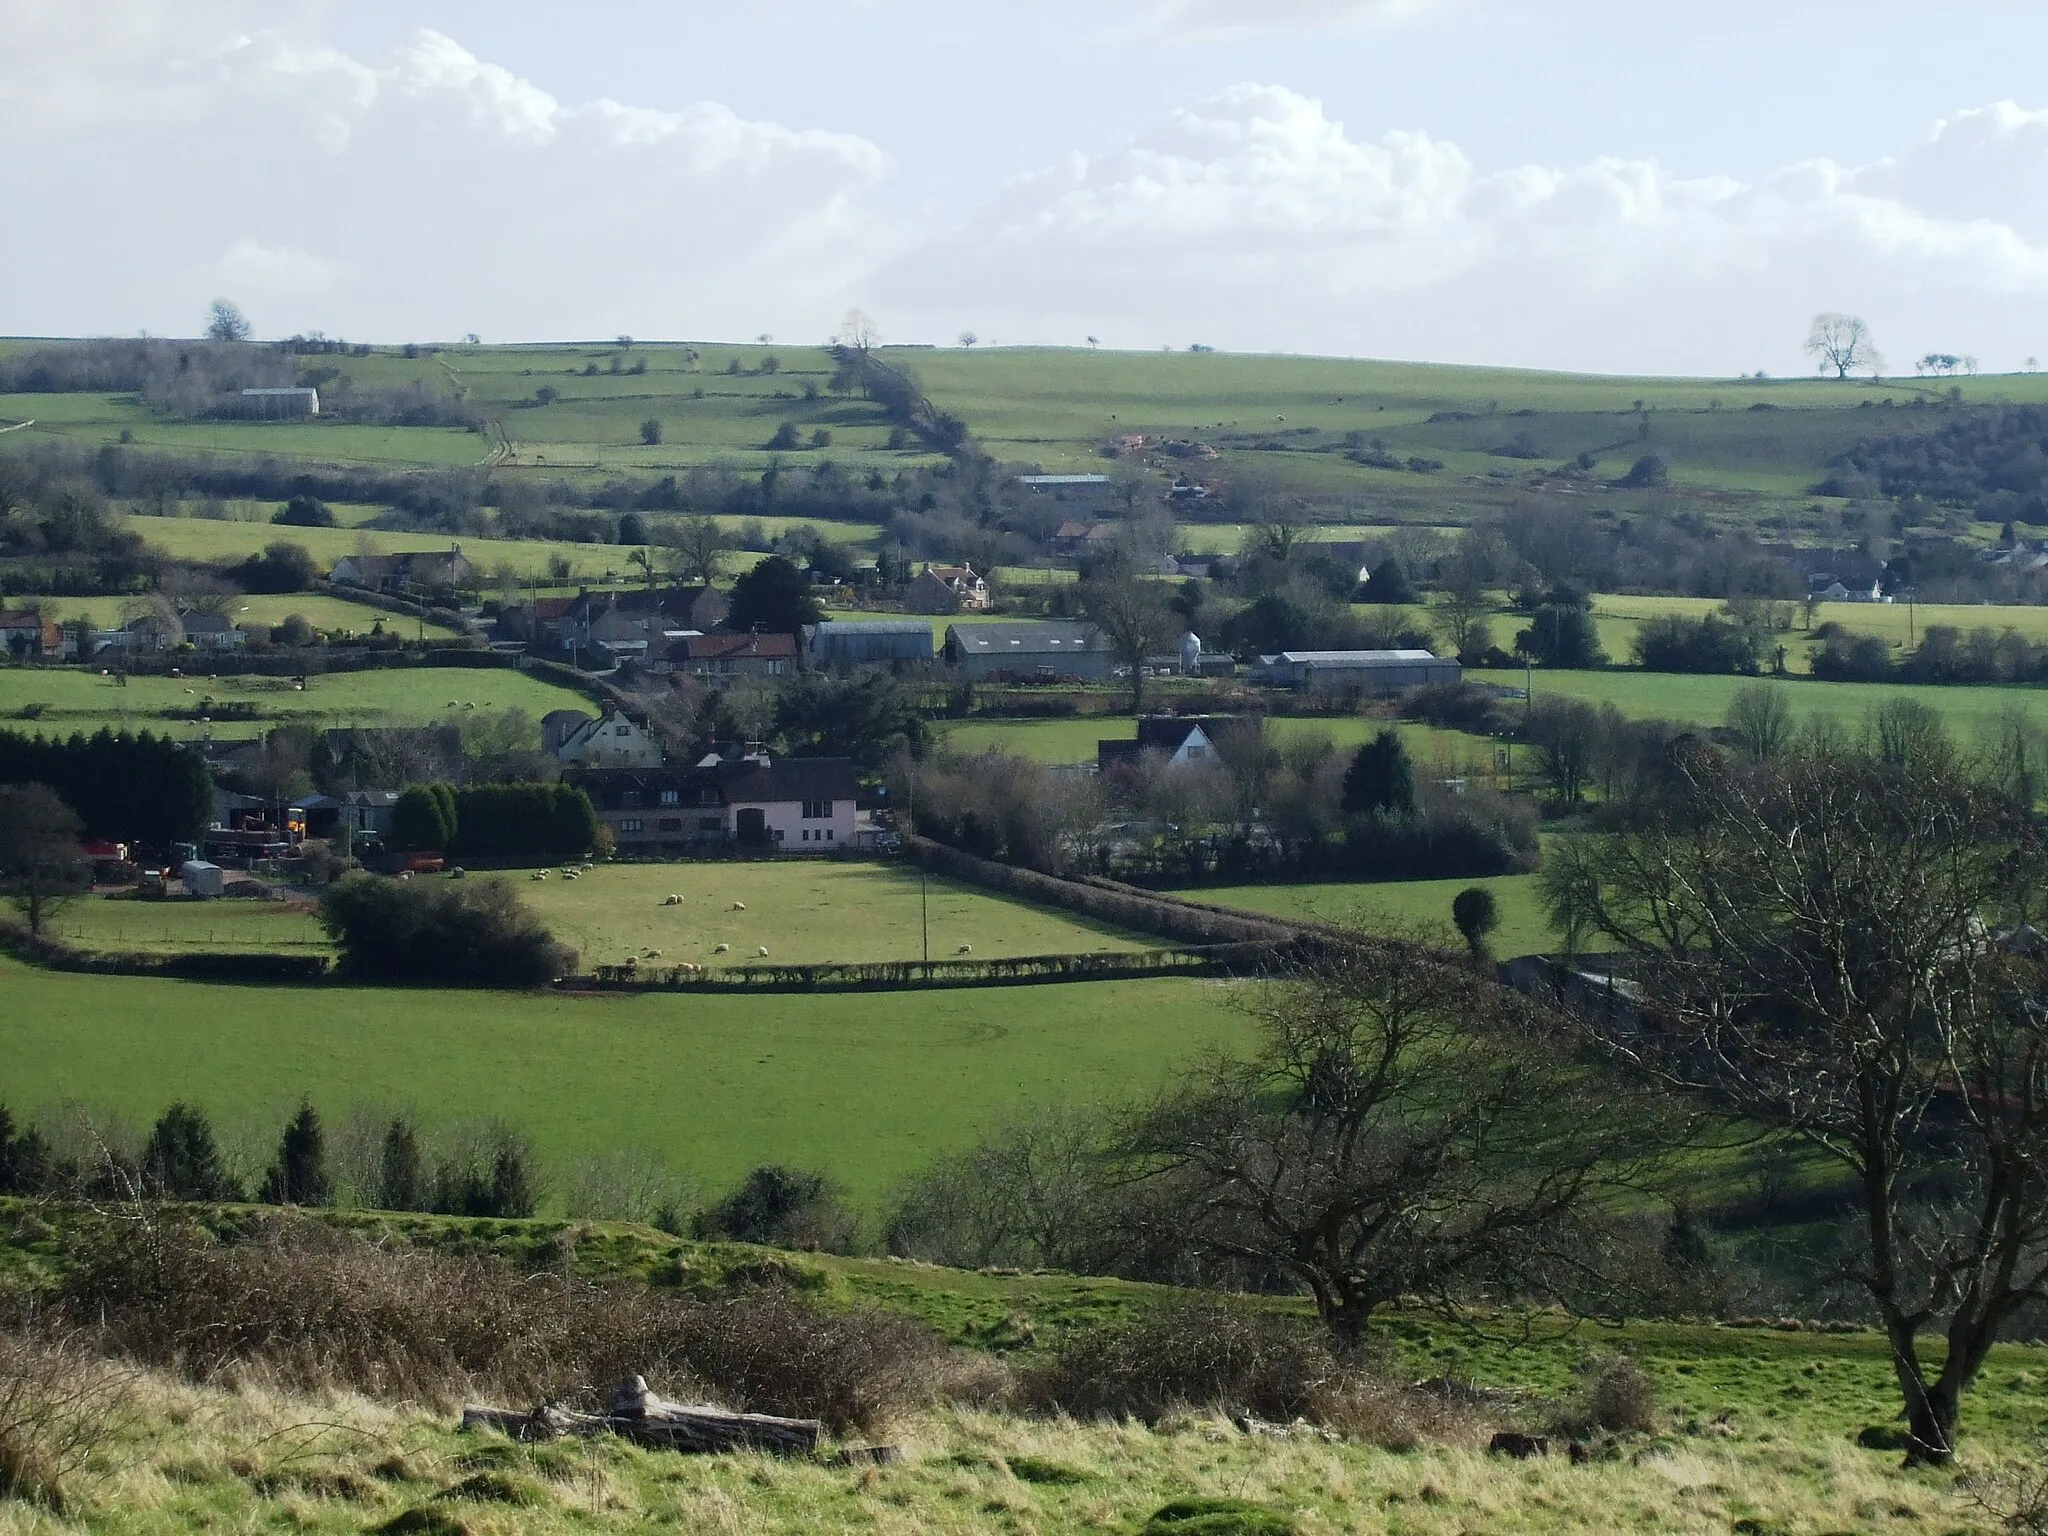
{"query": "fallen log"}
(637, 1414)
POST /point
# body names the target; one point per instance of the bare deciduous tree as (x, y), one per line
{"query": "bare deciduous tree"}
(1135, 620)
(698, 542)
(1405, 1128)
(1842, 342)
(41, 865)
(226, 322)
(1820, 944)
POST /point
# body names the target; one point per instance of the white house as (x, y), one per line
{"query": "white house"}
(795, 804)
(614, 740)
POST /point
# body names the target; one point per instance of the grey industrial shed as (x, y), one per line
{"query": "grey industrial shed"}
(857, 642)
(1028, 651)
(1378, 671)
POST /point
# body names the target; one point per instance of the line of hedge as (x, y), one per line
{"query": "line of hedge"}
(198, 965)
(1106, 901)
(1243, 959)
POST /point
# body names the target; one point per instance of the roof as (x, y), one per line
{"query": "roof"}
(728, 647)
(206, 623)
(1403, 658)
(1063, 479)
(792, 778)
(1027, 638)
(287, 391)
(830, 627)
(1072, 529)
(21, 621)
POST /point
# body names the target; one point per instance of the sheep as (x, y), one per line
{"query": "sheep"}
(723, 949)
(761, 950)
(538, 874)
(405, 874)
(739, 906)
(964, 949)
(572, 875)
(673, 900)
(651, 954)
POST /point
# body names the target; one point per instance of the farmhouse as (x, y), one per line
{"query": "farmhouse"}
(734, 655)
(31, 637)
(793, 805)
(1181, 742)
(1374, 671)
(1028, 651)
(943, 589)
(212, 632)
(428, 570)
(614, 740)
(859, 642)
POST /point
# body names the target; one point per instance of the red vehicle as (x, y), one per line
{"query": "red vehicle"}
(425, 864)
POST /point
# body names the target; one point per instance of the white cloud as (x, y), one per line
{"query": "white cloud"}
(422, 194)
(1253, 220)
(1204, 19)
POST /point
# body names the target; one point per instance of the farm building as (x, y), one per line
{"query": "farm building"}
(859, 642)
(657, 812)
(1028, 651)
(942, 589)
(1374, 671)
(212, 632)
(796, 804)
(280, 403)
(733, 655)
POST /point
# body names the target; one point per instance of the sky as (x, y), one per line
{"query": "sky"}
(1667, 188)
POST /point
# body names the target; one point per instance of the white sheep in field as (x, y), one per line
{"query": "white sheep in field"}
(761, 950)
(632, 962)
(722, 949)
(538, 874)
(739, 906)
(571, 875)
(964, 949)
(673, 901)
(652, 954)
(405, 874)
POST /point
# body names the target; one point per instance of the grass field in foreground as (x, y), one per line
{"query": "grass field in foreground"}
(1703, 701)
(800, 912)
(867, 1087)
(75, 699)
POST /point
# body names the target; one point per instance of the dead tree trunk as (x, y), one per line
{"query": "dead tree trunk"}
(637, 1414)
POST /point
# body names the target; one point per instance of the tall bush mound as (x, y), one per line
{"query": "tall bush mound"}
(477, 934)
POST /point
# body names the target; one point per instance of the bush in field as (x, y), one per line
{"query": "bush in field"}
(318, 1310)
(473, 933)
(299, 1174)
(1199, 1352)
(783, 1208)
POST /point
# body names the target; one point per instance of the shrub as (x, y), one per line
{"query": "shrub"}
(1217, 1517)
(543, 823)
(181, 1161)
(305, 512)
(1615, 1395)
(471, 933)
(318, 1309)
(56, 1406)
(781, 1208)
(1476, 914)
(491, 1174)
(299, 1175)
(1200, 1352)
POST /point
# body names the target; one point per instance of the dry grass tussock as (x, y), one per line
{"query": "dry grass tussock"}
(309, 1309)
(58, 1403)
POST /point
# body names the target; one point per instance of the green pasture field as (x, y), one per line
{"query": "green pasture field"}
(94, 418)
(867, 1086)
(170, 926)
(1703, 701)
(1073, 740)
(801, 912)
(1377, 906)
(191, 538)
(76, 699)
(324, 613)
(1618, 618)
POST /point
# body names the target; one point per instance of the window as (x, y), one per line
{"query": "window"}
(778, 834)
(632, 824)
(807, 834)
(622, 730)
(817, 810)
(671, 796)
(630, 797)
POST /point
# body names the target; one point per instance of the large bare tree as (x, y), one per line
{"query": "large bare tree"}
(1842, 342)
(1404, 1128)
(698, 542)
(1834, 947)
(41, 865)
(1136, 620)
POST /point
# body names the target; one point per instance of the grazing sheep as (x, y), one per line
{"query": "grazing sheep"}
(722, 949)
(964, 949)
(405, 874)
(761, 950)
(651, 954)
(572, 875)
(739, 906)
(673, 901)
(632, 962)
(538, 874)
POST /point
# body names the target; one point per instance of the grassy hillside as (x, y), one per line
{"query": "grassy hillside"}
(869, 1087)
(52, 701)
